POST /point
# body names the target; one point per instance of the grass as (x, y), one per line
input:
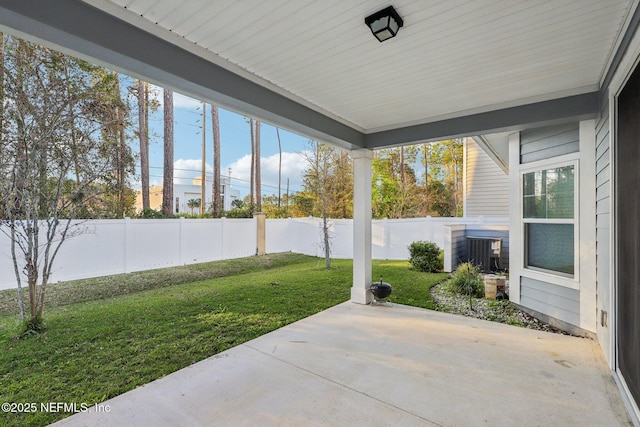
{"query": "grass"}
(64, 293)
(109, 335)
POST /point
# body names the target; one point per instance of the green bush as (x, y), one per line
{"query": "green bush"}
(425, 256)
(149, 213)
(467, 275)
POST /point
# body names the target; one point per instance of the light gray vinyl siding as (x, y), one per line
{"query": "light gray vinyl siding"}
(556, 301)
(486, 183)
(458, 247)
(549, 142)
(603, 213)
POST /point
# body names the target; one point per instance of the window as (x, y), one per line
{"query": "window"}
(549, 220)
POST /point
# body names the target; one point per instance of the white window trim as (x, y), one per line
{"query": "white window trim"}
(544, 275)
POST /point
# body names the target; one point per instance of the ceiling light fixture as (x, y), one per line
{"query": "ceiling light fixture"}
(384, 24)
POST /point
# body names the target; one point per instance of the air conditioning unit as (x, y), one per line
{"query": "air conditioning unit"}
(485, 252)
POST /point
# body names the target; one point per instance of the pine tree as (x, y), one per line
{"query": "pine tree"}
(217, 200)
(167, 176)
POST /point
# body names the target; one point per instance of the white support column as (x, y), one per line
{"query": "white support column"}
(587, 224)
(516, 235)
(361, 226)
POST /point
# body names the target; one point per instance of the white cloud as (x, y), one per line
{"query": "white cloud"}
(293, 165)
(183, 101)
(179, 100)
(185, 170)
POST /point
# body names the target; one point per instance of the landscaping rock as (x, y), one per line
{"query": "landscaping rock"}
(492, 310)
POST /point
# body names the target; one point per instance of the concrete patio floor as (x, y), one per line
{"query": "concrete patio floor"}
(355, 365)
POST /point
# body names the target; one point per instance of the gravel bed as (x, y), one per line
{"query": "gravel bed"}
(496, 311)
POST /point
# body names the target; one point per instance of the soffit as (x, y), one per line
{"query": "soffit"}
(451, 58)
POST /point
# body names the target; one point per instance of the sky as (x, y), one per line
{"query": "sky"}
(235, 147)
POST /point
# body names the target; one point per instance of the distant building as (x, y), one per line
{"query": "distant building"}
(183, 193)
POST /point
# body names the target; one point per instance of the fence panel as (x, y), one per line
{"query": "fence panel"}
(118, 246)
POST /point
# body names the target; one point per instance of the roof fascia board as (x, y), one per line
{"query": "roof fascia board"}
(555, 111)
(487, 147)
(103, 38)
(627, 38)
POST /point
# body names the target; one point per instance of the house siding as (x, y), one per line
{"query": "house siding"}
(546, 143)
(486, 184)
(458, 246)
(570, 300)
(556, 301)
(603, 225)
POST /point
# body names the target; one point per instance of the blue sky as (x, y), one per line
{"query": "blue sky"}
(235, 147)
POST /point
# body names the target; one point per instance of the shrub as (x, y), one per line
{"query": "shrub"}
(467, 275)
(425, 256)
(149, 213)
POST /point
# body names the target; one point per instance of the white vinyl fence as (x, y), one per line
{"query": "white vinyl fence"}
(122, 246)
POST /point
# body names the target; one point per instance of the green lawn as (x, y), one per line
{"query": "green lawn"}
(132, 329)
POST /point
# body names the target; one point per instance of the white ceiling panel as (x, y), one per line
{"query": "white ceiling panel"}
(450, 57)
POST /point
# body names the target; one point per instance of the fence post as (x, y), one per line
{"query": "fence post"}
(260, 233)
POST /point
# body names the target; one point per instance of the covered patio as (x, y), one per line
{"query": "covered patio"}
(539, 82)
(375, 365)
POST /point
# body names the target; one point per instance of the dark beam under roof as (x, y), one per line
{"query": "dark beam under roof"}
(91, 33)
(560, 110)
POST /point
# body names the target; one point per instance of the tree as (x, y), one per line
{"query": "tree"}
(425, 163)
(192, 204)
(445, 160)
(217, 199)
(167, 177)
(203, 176)
(252, 179)
(257, 175)
(144, 142)
(394, 193)
(320, 183)
(115, 198)
(279, 168)
(52, 159)
(123, 159)
(271, 209)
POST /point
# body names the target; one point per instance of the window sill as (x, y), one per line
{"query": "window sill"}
(554, 279)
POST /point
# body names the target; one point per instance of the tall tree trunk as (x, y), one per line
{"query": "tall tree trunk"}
(144, 144)
(203, 177)
(13, 229)
(425, 148)
(217, 201)
(2, 45)
(122, 149)
(402, 166)
(74, 142)
(252, 200)
(257, 173)
(287, 205)
(325, 234)
(167, 177)
(279, 167)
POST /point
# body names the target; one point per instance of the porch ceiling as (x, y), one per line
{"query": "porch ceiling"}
(453, 65)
